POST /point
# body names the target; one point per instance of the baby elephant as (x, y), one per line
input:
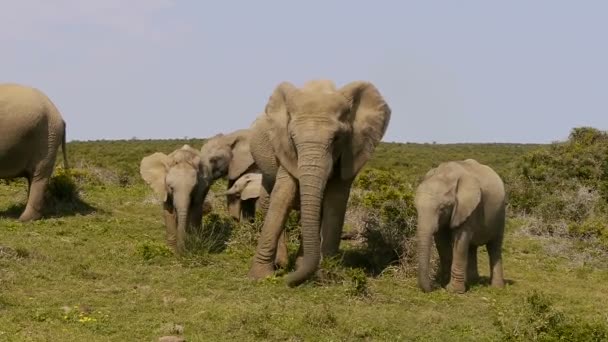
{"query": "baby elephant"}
(461, 204)
(247, 189)
(177, 180)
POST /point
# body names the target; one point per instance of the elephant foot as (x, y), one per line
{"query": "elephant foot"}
(498, 283)
(281, 260)
(30, 215)
(260, 271)
(455, 288)
(299, 261)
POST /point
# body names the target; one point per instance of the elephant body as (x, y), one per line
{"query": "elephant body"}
(178, 181)
(461, 205)
(246, 190)
(228, 155)
(310, 143)
(31, 131)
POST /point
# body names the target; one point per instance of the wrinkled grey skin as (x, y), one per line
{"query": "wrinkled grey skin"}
(461, 205)
(228, 155)
(246, 190)
(310, 144)
(177, 180)
(31, 131)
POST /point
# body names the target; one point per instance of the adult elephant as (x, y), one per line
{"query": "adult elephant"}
(313, 141)
(178, 181)
(31, 130)
(229, 155)
(461, 204)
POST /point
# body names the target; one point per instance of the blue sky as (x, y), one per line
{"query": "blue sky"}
(457, 71)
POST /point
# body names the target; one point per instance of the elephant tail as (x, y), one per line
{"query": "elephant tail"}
(63, 150)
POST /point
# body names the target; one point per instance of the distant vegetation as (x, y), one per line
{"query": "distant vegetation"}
(112, 256)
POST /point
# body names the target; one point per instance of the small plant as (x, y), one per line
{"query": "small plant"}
(537, 320)
(62, 186)
(152, 250)
(213, 235)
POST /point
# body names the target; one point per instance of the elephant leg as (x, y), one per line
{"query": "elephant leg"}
(282, 256)
(281, 200)
(495, 255)
(472, 270)
(332, 217)
(460, 252)
(234, 207)
(196, 217)
(170, 218)
(443, 243)
(35, 200)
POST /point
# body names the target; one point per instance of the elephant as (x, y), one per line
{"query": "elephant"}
(178, 181)
(247, 190)
(310, 143)
(461, 204)
(31, 130)
(229, 155)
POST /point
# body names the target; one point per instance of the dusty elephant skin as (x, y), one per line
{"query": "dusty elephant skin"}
(31, 131)
(312, 142)
(247, 190)
(461, 204)
(177, 179)
(228, 155)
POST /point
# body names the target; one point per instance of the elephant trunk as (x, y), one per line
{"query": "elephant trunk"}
(426, 228)
(181, 207)
(313, 165)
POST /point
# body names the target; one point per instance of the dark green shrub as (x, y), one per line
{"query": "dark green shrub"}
(565, 184)
(388, 218)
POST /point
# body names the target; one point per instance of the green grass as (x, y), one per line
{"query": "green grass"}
(106, 275)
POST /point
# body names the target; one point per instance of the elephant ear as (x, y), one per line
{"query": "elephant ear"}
(369, 116)
(153, 169)
(468, 197)
(252, 190)
(253, 187)
(241, 155)
(277, 111)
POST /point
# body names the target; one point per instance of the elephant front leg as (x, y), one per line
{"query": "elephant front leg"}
(281, 200)
(282, 255)
(196, 218)
(443, 243)
(234, 207)
(35, 200)
(460, 252)
(333, 212)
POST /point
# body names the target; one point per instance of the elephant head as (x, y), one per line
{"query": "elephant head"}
(444, 200)
(177, 180)
(226, 155)
(246, 187)
(319, 132)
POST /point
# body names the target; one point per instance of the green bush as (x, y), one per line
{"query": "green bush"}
(62, 186)
(537, 320)
(389, 220)
(565, 184)
(213, 236)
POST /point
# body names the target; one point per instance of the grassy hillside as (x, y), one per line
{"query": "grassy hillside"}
(97, 268)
